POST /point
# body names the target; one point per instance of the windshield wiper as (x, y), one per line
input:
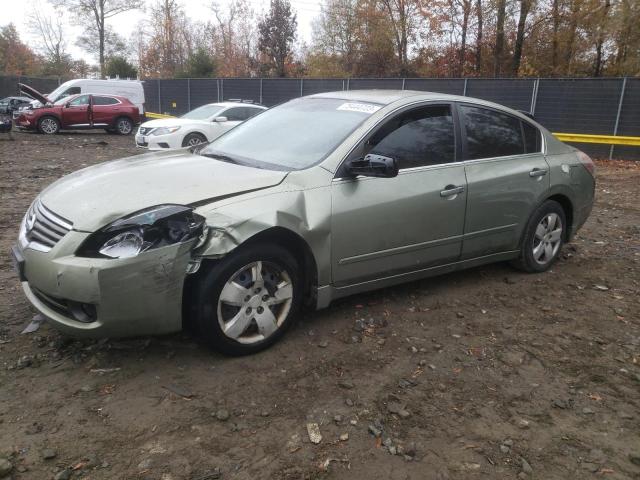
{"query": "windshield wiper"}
(219, 156)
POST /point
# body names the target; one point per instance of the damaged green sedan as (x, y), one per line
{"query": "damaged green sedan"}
(321, 197)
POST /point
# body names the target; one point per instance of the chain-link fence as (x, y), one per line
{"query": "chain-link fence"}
(605, 106)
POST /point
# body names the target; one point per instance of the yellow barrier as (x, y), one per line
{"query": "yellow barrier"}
(605, 139)
(157, 115)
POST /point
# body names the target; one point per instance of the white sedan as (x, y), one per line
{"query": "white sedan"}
(201, 125)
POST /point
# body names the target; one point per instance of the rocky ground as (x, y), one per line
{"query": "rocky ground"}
(487, 373)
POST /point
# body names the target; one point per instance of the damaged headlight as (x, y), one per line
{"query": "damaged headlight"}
(151, 228)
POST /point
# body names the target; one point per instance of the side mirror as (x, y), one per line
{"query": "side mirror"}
(373, 165)
(220, 119)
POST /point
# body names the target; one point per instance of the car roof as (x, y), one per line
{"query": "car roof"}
(401, 97)
(237, 104)
(119, 97)
(387, 97)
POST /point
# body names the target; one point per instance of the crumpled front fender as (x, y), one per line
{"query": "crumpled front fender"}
(306, 213)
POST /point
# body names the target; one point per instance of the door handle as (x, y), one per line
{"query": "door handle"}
(538, 172)
(451, 190)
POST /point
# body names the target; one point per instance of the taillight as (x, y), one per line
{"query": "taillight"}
(587, 162)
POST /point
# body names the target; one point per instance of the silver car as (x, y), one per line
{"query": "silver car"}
(321, 197)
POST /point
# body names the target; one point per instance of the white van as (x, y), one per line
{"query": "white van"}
(130, 89)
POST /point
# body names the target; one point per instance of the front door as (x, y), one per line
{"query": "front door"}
(507, 175)
(76, 113)
(387, 226)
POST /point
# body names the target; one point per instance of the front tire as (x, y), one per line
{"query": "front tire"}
(247, 301)
(543, 238)
(193, 139)
(49, 125)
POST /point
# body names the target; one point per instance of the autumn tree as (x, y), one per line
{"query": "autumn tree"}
(92, 15)
(16, 58)
(167, 40)
(277, 31)
(233, 38)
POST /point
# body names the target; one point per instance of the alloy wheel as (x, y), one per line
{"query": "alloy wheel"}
(124, 126)
(193, 141)
(49, 125)
(547, 238)
(255, 302)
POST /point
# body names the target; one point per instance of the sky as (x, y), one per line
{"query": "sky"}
(16, 11)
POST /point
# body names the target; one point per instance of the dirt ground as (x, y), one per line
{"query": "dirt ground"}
(487, 373)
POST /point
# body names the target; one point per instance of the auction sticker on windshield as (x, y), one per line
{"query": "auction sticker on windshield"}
(359, 107)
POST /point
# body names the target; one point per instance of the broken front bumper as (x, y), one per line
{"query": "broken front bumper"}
(103, 297)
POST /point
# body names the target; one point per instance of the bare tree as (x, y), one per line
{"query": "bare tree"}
(93, 14)
(479, 36)
(499, 48)
(50, 32)
(525, 6)
(402, 14)
(233, 36)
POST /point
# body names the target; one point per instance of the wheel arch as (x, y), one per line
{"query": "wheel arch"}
(276, 235)
(191, 132)
(123, 115)
(567, 205)
(52, 115)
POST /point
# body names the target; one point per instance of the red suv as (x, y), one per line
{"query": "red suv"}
(75, 112)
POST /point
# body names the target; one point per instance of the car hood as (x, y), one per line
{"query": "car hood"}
(96, 196)
(171, 122)
(33, 93)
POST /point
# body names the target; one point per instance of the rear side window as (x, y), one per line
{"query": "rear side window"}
(104, 101)
(532, 140)
(491, 133)
(420, 137)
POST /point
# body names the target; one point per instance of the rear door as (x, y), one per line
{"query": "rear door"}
(507, 174)
(389, 226)
(76, 113)
(103, 109)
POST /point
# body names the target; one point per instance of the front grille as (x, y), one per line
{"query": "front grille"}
(45, 227)
(145, 130)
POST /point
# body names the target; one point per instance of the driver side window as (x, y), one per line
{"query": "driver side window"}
(420, 137)
(79, 101)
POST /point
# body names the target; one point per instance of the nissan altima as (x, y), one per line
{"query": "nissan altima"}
(321, 197)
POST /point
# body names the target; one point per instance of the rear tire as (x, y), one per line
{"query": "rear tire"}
(246, 302)
(124, 126)
(48, 125)
(543, 238)
(193, 139)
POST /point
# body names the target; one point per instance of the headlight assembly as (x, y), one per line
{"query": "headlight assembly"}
(164, 130)
(145, 230)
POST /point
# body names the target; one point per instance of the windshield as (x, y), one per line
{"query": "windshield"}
(62, 100)
(294, 135)
(203, 113)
